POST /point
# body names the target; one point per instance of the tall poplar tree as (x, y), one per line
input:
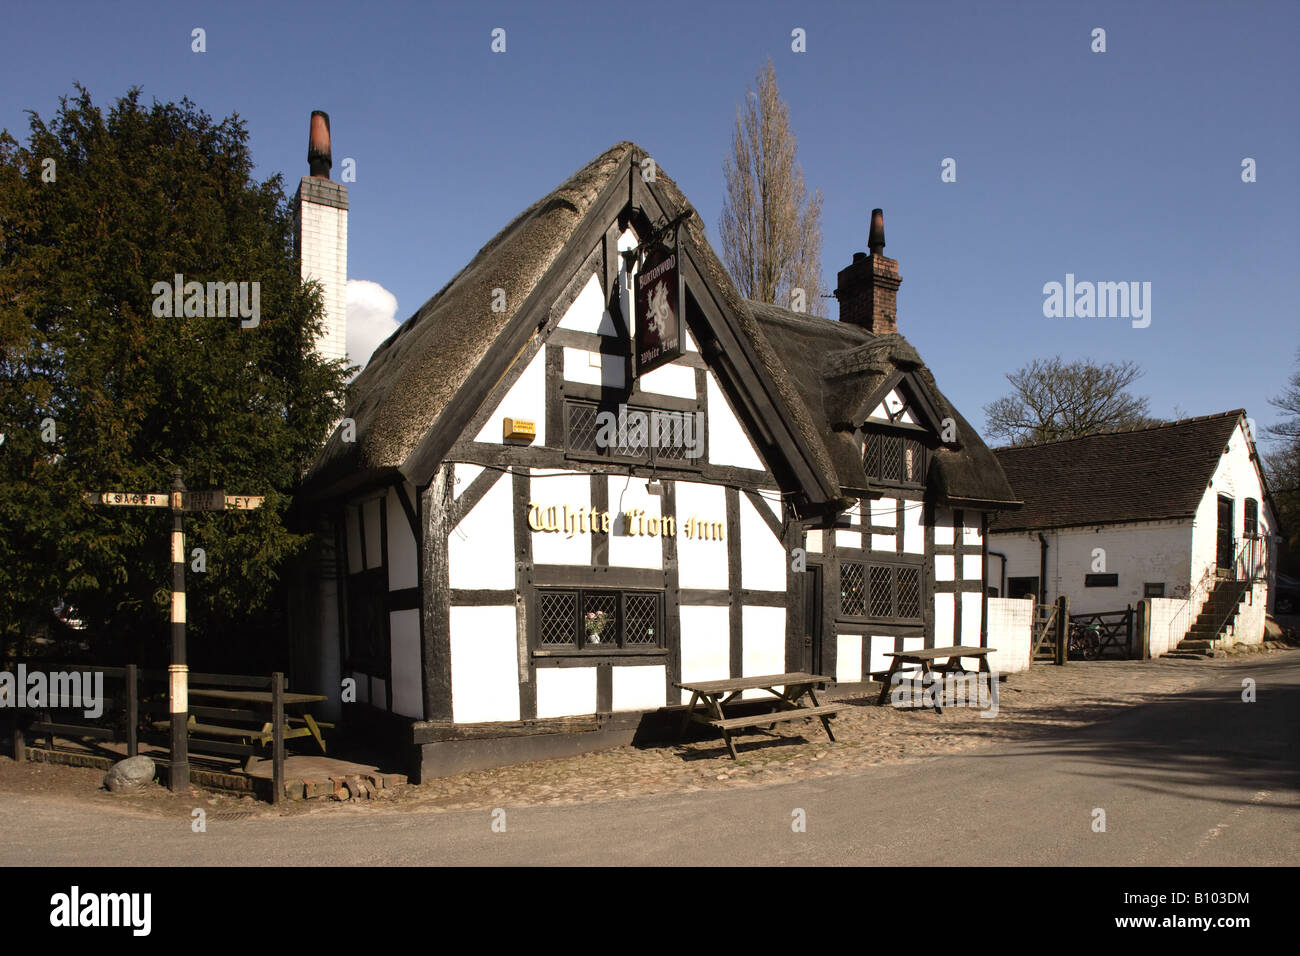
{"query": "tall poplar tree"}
(771, 229)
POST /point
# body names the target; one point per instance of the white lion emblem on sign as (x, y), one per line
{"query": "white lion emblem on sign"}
(659, 312)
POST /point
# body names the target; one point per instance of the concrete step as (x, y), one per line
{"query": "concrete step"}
(1195, 645)
(1185, 655)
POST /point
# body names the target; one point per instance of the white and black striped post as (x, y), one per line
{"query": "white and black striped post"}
(178, 673)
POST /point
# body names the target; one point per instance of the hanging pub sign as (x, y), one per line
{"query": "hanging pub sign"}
(658, 310)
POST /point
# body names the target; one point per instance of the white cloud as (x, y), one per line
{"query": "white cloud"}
(372, 317)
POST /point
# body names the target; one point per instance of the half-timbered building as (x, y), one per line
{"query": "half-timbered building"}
(525, 531)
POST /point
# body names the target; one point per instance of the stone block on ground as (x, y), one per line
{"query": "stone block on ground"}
(129, 774)
(314, 787)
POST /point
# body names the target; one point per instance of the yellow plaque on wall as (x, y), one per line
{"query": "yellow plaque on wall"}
(518, 429)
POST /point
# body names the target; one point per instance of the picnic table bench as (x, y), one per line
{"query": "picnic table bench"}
(925, 658)
(718, 694)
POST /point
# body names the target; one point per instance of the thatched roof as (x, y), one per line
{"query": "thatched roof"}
(842, 371)
(1141, 474)
(817, 375)
(413, 375)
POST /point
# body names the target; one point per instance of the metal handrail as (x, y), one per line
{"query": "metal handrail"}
(1247, 566)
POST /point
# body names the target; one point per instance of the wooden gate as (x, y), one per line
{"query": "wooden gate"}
(1045, 632)
(1114, 630)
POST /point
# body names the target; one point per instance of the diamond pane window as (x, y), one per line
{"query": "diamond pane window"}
(882, 591)
(894, 457)
(557, 618)
(909, 592)
(852, 600)
(642, 619)
(598, 620)
(582, 427)
(891, 463)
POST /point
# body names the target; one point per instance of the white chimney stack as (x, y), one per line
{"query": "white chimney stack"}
(321, 237)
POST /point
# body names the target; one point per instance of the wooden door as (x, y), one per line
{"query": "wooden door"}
(812, 619)
(1223, 553)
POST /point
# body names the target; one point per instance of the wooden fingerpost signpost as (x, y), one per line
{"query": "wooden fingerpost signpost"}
(180, 501)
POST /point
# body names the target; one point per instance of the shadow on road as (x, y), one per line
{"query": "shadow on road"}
(1203, 739)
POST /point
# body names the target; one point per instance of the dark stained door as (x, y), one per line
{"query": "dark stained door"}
(812, 619)
(1223, 557)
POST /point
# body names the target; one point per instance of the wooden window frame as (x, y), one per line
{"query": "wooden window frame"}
(907, 433)
(895, 566)
(580, 644)
(650, 459)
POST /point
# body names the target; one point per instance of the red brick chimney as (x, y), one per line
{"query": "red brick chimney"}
(868, 289)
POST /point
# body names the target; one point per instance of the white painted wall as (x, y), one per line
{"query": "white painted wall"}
(588, 313)
(1237, 477)
(633, 550)
(701, 563)
(914, 527)
(593, 368)
(566, 691)
(557, 547)
(1156, 552)
(671, 379)
(403, 562)
(728, 443)
(763, 559)
(877, 662)
(480, 549)
(640, 687)
(484, 665)
(1249, 625)
(706, 645)
(1170, 621)
(972, 611)
(890, 406)
(763, 633)
(943, 531)
(526, 399)
(945, 619)
(1010, 633)
(848, 657)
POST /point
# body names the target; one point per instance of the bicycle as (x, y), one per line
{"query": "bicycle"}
(1085, 641)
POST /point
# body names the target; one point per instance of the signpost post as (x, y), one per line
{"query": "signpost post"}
(179, 501)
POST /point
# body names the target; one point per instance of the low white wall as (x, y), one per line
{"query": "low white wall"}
(1248, 628)
(1011, 627)
(1171, 618)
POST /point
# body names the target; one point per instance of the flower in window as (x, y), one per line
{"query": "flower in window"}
(595, 623)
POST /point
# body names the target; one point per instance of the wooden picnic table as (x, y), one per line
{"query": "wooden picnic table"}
(925, 657)
(310, 728)
(718, 694)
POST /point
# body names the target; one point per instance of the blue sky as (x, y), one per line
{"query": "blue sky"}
(1115, 166)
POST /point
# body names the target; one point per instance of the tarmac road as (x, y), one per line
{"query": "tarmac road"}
(1197, 778)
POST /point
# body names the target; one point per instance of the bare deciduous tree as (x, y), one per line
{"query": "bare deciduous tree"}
(771, 230)
(1056, 399)
(1283, 468)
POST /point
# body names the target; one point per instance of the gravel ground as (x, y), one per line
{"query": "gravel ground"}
(1044, 701)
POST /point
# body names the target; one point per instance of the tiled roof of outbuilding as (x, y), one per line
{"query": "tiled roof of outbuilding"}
(1142, 474)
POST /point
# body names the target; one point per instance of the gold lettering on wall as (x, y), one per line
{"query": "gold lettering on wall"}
(570, 521)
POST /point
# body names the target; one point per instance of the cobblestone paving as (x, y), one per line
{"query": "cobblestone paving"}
(1036, 704)
(1033, 704)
